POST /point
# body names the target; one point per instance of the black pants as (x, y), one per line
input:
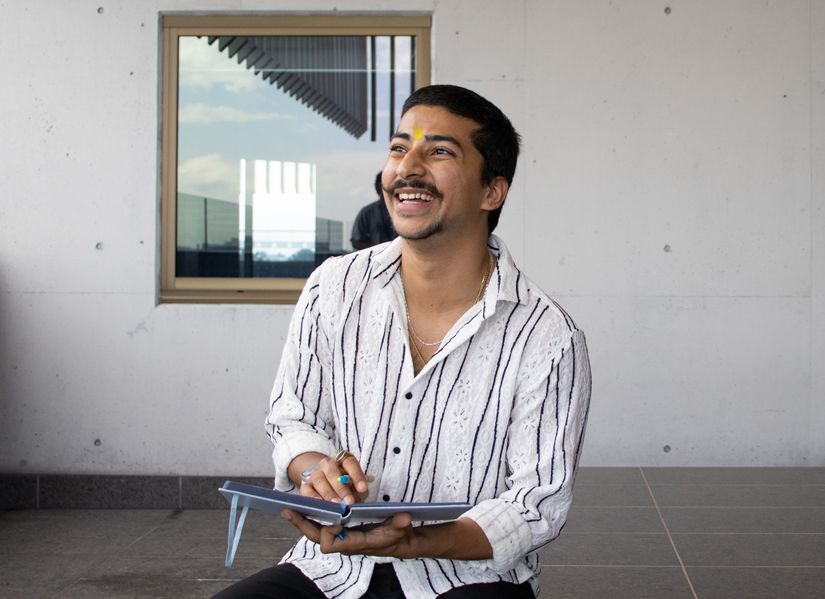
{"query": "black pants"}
(288, 582)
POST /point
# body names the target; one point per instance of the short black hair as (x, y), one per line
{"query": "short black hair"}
(496, 139)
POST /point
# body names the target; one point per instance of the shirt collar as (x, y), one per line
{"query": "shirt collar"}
(506, 283)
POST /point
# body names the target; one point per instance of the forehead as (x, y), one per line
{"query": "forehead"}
(435, 120)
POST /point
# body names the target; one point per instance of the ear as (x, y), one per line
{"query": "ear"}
(496, 194)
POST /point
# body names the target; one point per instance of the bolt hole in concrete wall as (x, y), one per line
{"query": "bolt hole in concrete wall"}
(666, 449)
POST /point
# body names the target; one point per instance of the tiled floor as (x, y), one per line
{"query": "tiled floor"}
(703, 533)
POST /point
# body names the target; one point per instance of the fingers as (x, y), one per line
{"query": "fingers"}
(308, 490)
(308, 528)
(389, 538)
(326, 483)
(401, 520)
(338, 481)
(357, 477)
(328, 537)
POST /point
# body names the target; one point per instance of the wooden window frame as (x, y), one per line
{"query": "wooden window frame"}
(239, 290)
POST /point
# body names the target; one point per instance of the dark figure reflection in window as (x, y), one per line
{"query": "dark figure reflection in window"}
(373, 224)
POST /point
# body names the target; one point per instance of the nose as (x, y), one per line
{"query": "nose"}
(411, 164)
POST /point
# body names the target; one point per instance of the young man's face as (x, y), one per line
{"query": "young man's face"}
(432, 176)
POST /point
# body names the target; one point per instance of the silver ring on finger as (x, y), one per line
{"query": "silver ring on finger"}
(342, 455)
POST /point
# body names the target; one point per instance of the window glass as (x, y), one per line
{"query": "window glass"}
(279, 139)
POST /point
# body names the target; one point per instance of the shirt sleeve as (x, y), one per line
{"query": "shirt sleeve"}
(300, 419)
(546, 433)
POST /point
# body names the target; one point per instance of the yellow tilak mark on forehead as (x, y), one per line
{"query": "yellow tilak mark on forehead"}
(418, 133)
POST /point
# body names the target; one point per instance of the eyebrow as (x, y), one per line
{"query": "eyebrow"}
(431, 138)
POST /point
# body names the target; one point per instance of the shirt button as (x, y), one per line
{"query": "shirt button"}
(408, 395)
(386, 498)
(396, 450)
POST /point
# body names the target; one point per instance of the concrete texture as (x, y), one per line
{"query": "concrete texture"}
(671, 195)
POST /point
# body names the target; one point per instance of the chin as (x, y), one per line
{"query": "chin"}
(425, 233)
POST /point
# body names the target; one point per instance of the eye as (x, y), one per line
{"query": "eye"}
(397, 148)
(439, 151)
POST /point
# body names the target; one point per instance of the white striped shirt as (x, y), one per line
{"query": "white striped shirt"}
(496, 417)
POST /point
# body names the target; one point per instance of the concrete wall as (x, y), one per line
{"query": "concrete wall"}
(671, 195)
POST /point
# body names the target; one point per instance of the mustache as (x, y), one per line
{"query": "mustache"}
(414, 183)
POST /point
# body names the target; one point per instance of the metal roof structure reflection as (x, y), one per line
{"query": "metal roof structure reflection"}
(327, 73)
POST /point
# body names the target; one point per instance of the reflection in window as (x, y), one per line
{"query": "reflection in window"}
(279, 139)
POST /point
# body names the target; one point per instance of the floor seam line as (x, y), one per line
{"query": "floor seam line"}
(669, 536)
(101, 559)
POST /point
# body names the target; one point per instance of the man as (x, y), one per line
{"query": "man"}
(373, 224)
(440, 373)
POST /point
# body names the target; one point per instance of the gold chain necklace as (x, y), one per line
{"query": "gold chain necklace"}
(418, 353)
(485, 279)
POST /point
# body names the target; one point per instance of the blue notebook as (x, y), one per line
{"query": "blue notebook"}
(326, 512)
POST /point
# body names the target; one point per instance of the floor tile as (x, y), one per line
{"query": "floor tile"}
(129, 586)
(758, 583)
(734, 476)
(610, 549)
(745, 519)
(62, 545)
(80, 523)
(215, 523)
(613, 519)
(254, 549)
(40, 577)
(742, 532)
(593, 582)
(595, 475)
(612, 495)
(121, 567)
(702, 495)
(751, 549)
(197, 547)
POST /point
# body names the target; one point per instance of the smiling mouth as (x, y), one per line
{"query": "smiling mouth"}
(413, 191)
(418, 196)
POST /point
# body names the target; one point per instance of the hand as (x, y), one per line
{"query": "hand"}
(337, 481)
(394, 537)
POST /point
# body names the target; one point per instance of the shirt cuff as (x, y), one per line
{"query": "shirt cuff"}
(294, 444)
(507, 532)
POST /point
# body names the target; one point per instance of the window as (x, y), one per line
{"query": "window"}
(274, 128)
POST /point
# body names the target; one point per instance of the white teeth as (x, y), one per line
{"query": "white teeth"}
(415, 196)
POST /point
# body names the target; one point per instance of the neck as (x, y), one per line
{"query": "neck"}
(439, 286)
(443, 279)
